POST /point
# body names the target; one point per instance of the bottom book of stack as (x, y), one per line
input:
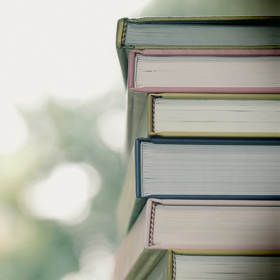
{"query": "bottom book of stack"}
(217, 264)
(213, 234)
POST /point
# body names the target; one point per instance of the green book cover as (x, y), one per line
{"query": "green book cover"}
(228, 32)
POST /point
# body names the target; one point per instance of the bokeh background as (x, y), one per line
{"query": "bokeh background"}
(62, 130)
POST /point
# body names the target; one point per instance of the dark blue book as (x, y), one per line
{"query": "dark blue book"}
(199, 168)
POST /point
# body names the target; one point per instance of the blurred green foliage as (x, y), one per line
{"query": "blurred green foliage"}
(44, 249)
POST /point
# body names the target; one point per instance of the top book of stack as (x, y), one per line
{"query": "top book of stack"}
(238, 32)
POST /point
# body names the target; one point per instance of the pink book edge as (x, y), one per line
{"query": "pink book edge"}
(131, 68)
(268, 90)
(131, 63)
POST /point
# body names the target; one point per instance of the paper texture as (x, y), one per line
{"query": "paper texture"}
(123, 50)
(136, 258)
(136, 97)
(132, 200)
(151, 121)
(191, 89)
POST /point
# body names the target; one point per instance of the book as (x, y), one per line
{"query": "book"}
(216, 264)
(199, 168)
(209, 200)
(206, 115)
(196, 225)
(218, 115)
(268, 78)
(207, 71)
(228, 32)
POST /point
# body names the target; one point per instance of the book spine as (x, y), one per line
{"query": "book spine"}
(124, 32)
(173, 267)
(153, 114)
(138, 163)
(152, 223)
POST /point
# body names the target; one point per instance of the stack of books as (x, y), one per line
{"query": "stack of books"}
(201, 195)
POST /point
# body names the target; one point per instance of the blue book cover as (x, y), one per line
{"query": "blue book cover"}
(199, 168)
(270, 174)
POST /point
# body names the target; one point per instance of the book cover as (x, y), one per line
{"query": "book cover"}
(236, 71)
(228, 32)
(199, 168)
(137, 97)
(212, 115)
(220, 264)
(197, 226)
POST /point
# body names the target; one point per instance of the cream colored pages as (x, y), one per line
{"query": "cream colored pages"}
(206, 115)
(170, 169)
(227, 267)
(217, 227)
(207, 71)
(200, 35)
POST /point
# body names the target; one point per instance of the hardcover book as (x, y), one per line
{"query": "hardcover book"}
(206, 115)
(196, 225)
(233, 32)
(208, 71)
(216, 264)
(199, 168)
(196, 71)
(207, 205)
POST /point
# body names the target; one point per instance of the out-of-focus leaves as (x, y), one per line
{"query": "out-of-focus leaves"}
(42, 249)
